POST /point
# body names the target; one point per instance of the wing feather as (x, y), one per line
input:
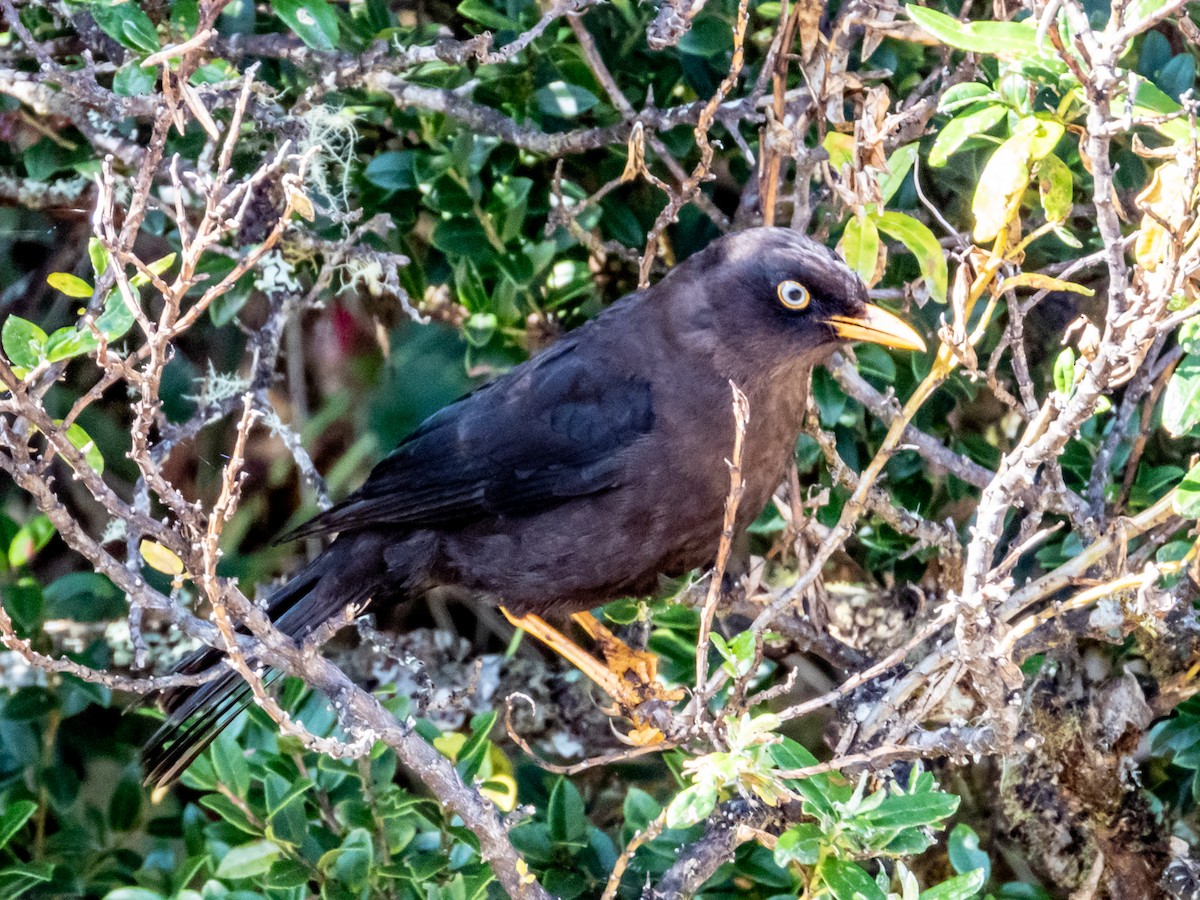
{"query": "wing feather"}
(552, 429)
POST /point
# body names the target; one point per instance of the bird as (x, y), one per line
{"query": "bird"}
(586, 473)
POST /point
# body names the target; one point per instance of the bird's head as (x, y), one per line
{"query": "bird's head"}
(773, 293)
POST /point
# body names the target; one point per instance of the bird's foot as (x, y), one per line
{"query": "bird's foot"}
(637, 669)
(628, 676)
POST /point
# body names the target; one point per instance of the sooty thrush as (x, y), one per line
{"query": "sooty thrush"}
(586, 473)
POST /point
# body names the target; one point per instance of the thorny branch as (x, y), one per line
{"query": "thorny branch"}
(190, 532)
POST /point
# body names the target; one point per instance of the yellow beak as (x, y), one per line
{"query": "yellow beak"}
(879, 327)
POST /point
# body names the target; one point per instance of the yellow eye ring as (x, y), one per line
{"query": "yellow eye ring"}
(793, 294)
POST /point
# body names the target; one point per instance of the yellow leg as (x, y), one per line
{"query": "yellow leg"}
(636, 666)
(568, 649)
(630, 676)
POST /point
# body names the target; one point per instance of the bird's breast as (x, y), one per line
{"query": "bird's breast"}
(663, 517)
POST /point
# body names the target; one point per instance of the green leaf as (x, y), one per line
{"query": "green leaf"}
(462, 237)
(788, 754)
(393, 171)
(83, 442)
(961, 887)
(24, 342)
(69, 284)
(125, 805)
(157, 268)
(314, 21)
(214, 71)
(286, 873)
(98, 255)
(113, 323)
(967, 94)
(873, 360)
(30, 538)
(1006, 40)
(1055, 187)
(738, 653)
(473, 752)
(133, 893)
(279, 792)
(248, 860)
(898, 166)
(1067, 238)
(487, 15)
(922, 244)
(847, 881)
(28, 704)
(1177, 76)
(709, 36)
(564, 100)
(974, 121)
(509, 206)
(800, 844)
(131, 80)
(26, 603)
(127, 25)
(1064, 372)
(1045, 131)
(350, 863)
(691, 805)
(139, 31)
(860, 247)
(566, 815)
(480, 327)
(911, 810)
(965, 854)
(69, 342)
(229, 762)
(200, 777)
(1151, 102)
(1187, 495)
(116, 320)
(1189, 335)
(16, 879)
(229, 811)
(15, 814)
(1181, 400)
(640, 809)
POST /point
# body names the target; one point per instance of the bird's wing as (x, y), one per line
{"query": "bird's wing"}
(550, 430)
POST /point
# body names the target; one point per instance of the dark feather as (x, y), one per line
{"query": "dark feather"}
(544, 434)
(196, 715)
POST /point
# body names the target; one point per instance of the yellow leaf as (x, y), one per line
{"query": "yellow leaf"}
(840, 148)
(449, 743)
(1001, 184)
(527, 877)
(69, 284)
(293, 191)
(1041, 282)
(860, 248)
(1165, 204)
(160, 558)
(501, 790)
(1045, 134)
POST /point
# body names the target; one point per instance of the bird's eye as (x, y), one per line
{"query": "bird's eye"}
(793, 294)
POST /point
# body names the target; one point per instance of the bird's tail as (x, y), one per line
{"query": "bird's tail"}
(196, 715)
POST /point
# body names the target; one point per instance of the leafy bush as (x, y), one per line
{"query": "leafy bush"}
(243, 245)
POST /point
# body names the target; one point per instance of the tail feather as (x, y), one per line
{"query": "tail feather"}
(196, 715)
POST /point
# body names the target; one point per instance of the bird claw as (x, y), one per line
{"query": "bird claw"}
(642, 734)
(628, 676)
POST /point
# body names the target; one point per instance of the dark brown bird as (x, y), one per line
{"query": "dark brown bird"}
(586, 473)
